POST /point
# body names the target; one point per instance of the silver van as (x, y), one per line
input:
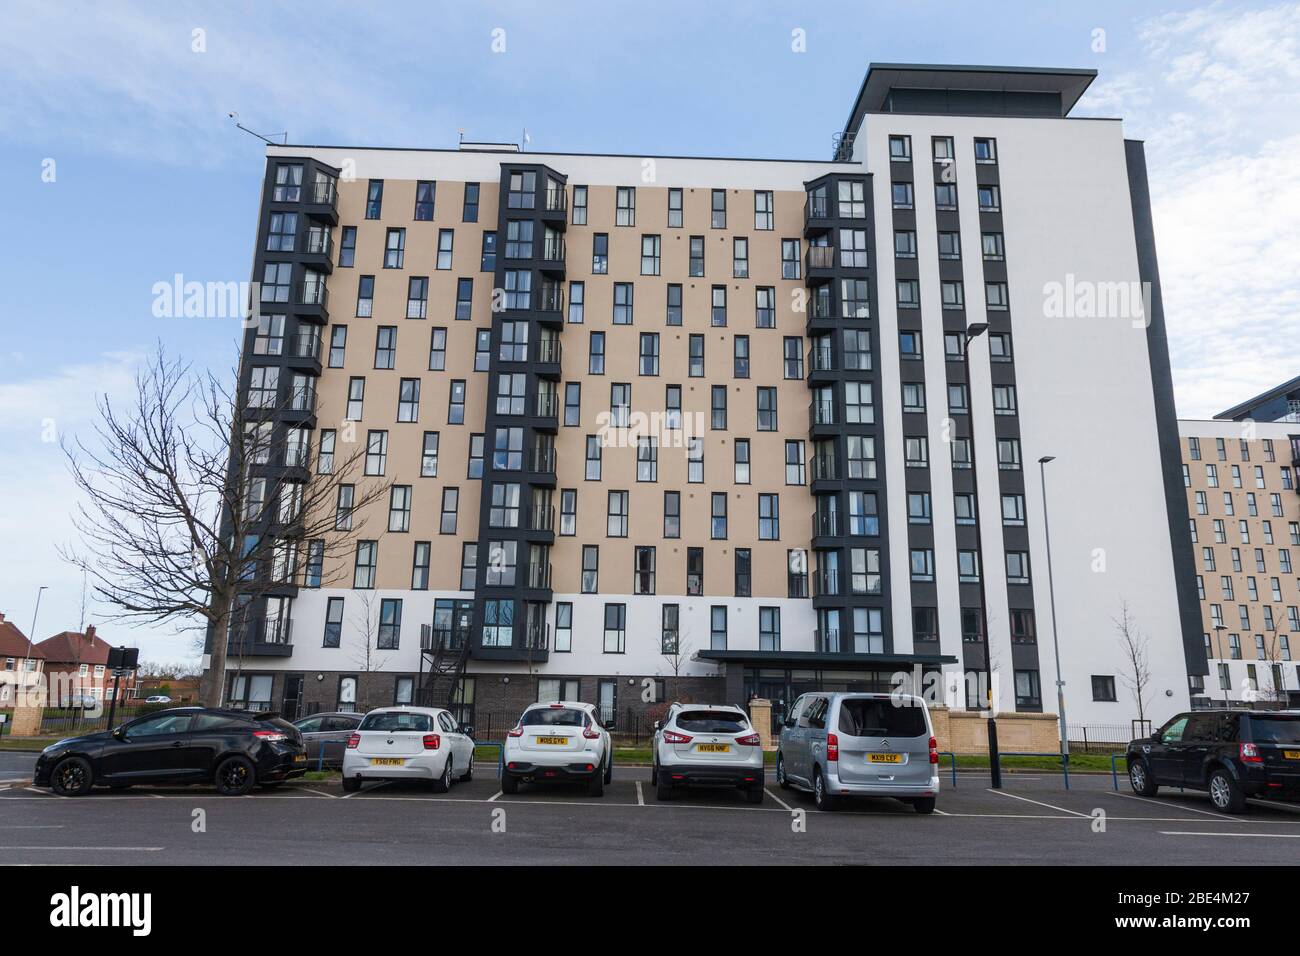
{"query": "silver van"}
(869, 745)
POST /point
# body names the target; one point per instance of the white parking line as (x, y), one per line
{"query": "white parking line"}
(778, 800)
(640, 797)
(1158, 803)
(320, 792)
(1238, 833)
(941, 812)
(81, 849)
(357, 793)
(1050, 806)
(495, 796)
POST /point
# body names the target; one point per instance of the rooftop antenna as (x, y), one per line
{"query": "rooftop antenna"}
(269, 142)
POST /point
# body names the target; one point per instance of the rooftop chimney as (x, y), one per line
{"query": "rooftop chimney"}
(90, 633)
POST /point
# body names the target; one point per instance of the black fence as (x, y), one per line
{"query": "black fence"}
(75, 721)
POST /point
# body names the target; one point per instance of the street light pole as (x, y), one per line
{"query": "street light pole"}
(1051, 593)
(974, 331)
(31, 635)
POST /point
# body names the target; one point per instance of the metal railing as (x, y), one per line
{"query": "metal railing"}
(541, 460)
(822, 413)
(821, 359)
(557, 200)
(816, 207)
(821, 257)
(306, 345)
(537, 637)
(550, 298)
(824, 468)
(324, 192)
(539, 574)
(319, 242)
(548, 350)
(547, 404)
(541, 519)
(826, 523)
(313, 292)
(447, 638)
(553, 249)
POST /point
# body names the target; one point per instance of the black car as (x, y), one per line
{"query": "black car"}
(1232, 754)
(233, 749)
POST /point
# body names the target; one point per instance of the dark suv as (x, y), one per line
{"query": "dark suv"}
(1233, 754)
(233, 749)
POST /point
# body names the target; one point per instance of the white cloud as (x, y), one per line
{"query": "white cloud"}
(1216, 99)
(40, 500)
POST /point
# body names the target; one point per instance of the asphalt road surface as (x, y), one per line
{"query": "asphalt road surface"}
(1034, 820)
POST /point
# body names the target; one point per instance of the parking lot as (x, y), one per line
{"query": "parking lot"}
(1033, 820)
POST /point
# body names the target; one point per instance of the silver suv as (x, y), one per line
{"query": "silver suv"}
(870, 745)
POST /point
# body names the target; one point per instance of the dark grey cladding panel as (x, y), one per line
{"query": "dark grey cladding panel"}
(1162, 385)
(973, 103)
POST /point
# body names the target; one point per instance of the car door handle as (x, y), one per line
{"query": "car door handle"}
(177, 743)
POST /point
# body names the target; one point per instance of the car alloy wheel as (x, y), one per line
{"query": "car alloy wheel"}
(1219, 793)
(234, 775)
(70, 776)
(1137, 776)
(780, 772)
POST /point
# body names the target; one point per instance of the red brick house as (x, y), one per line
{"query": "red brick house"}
(20, 663)
(76, 667)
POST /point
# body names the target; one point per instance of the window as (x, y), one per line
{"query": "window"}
(790, 265)
(991, 246)
(395, 249)
(600, 254)
(696, 256)
(348, 247)
(643, 571)
(468, 565)
(1017, 567)
(464, 299)
(740, 257)
(742, 461)
(282, 232)
(1009, 454)
(1022, 626)
(420, 558)
(469, 210)
(952, 295)
(718, 310)
(519, 239)
(718, 627)
(990, 200)
(408, 400)
(596, 353)
(767, 407)
(593, 458)
(900, 149)
(918, 507)
(794, 463)
(579, 205)
(325, 459)
(390, 624)
(650, 252)
(796, 563)
(625, 206)
(718, 519)
(363, 571)
(718, 407)
(855, 300)
(488, 258)
(694, 571)
(622, 303)
(647, 458)
(445, 238)
(986, 151)
(577, 299)
(913, 397)
(922, 564)
(263, 386)
(456, 403)
(672, 514)
(1004, 399)
(995, 296)
(376, 452)
(374, 198)
(901, 194)
(968, 567)
(615, 628)
(674, 208)
(909, 294)
(668, 633)
(498, 623)
(769, 518)
(1027, 692)
(616, 518)
(288, 183)
(333, 622)
(674, 305)
(385, 347)
(572, 403)
(718, 206)
(695, 356)
(945, 196)
(695, 460)
(399, 508)
(563, 638)
(744, 574)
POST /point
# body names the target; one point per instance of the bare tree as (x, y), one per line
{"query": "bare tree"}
(1277, 692)
(676, 658)
(367, 657)
(196, 502)
(1135, 647)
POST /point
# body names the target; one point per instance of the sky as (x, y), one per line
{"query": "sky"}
(120, 166)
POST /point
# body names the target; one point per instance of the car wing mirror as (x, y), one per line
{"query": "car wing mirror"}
(467, 730)
(119, 733)
(659, 725)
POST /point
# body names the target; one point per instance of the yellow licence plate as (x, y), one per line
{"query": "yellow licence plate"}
(1291, 754)
(553, 741)
(299, 758)
(386, 761)
(884, 758)
(713, 748)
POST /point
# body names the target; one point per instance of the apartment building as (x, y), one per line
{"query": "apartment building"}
(713, 428)
(1240, 474)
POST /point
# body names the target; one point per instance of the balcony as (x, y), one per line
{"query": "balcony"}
(555, 206)
(821, 364)
(312, 300)
(541, 519)
(262, 638)
(821, 415)
(537, 637)
(826, 524)
(827, 641)
(547, 407)
(540, 465)
(819, 261)
(816, 215)
(826, 583)
(552, 257)
(547, 354)
(539, 576)
(318, 251)
(435, 638)
(824, 468)
(304, 351)
(321, 199)
(550, 303)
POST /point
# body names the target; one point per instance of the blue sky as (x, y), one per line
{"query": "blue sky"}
(151, 178)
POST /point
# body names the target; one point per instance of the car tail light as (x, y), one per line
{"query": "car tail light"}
(671, 737)
(749, 740)
(354, 742)
(934, 750)
(272, 735)
(832, 747)
(432, 741)
(1250, 754)
(517, 732)
(591, 733)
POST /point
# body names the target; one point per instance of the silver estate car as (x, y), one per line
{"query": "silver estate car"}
(869, 745)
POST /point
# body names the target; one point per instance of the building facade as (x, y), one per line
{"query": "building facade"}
(76, 669)
(1244, 524)
(714, 428)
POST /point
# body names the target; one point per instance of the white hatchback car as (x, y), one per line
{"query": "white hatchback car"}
(409, 743)
(709, 745)
(558, 741)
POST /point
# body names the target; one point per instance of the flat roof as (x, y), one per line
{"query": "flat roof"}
(1070, 84)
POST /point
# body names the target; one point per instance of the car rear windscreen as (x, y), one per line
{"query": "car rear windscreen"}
(1274, 730)
(553, 717)
(712, 722)
(390, 723)
(881, 717)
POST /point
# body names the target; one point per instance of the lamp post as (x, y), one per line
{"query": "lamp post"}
(1051, 593)
(974, 331)
(31, 635)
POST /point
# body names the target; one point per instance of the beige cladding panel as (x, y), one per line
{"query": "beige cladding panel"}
(767, 449)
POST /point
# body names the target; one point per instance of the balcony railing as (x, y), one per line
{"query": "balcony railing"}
(313, 292)
(828, 641)
(541, 519)
(557, 200)
(820, 308)
(305, 345)
(548, 351)
(825, 523)
(303, 398)
(537, 637)
(825, 468)
(817, 207)
(553, 249)
(550, 298)
(539, 574)
(447, 638)
(548, 405)
(324, 192)
(267, 631)
(319, 243)
(821, 257)
(541, 461)
(825, 583)
(821, 359)
(822, 413)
